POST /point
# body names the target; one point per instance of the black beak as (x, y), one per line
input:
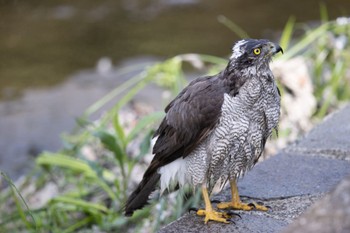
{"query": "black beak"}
(274, 48)
(278, 49)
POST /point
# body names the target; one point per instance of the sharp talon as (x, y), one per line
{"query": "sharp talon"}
(192, 209)
(215, 201)
(269, 207)
(233, 213)
(230, 212)
(252, 205)
(231, 221)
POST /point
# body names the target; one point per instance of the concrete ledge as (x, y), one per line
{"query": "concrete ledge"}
(330, 139)
(286, 175)
(331, 214)
(290, 182)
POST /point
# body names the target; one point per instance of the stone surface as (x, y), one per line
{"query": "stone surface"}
(286, 175)
(330, 214)
(248, 223)
(330, 139)
(282, 212)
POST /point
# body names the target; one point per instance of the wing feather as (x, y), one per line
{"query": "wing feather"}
(189, 119)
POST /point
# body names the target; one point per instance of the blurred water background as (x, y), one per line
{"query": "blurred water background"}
(58, 57)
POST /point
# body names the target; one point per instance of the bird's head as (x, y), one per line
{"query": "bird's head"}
(253, 52)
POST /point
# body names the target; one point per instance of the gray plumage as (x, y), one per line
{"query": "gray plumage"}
(216, 128)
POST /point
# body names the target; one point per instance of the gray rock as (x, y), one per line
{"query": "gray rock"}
(248, 223)
(330, 139)
(286, 175)
(282, 212)
(329, 215)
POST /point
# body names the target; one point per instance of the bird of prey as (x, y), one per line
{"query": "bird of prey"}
(215, 130)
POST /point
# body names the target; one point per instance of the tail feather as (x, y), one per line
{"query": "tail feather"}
(139, 198)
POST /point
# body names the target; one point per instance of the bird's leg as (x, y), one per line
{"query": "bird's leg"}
(236, 203)
(209, 213)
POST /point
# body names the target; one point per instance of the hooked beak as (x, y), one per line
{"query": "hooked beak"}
(275, 48)
(278, 49)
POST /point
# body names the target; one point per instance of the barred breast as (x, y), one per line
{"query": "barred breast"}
(246, 121)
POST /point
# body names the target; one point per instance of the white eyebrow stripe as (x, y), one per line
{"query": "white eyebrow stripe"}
(236, 50)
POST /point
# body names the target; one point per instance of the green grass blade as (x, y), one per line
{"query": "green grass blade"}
(144, 79)
(323, 12)
(79, 224)
(117, 91)
(233, 27)
(287, 33)
(305, 42)
(87, 206)
(119, 130)
(337, 74)
(22, 213)
(60, 160)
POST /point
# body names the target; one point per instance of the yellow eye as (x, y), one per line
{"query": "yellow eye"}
(257, 51)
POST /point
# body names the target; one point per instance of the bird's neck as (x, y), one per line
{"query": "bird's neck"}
(233, 79)
(234, 76)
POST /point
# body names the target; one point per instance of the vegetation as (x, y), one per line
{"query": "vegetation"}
(92, 175)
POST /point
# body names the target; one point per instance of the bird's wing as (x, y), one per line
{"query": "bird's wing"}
(190, 117)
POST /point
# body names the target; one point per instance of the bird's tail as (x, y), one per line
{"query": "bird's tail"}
(139, 198)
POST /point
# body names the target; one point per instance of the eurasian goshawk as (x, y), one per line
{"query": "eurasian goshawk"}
(215, 129)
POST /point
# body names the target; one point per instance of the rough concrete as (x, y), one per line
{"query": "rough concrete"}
(290, 183)
(282, 212)
(330, 139)
(333, 212)
(286, 175)
(248, 223)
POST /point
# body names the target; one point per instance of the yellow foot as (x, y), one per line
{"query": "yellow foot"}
(241, 206)
(214, 216)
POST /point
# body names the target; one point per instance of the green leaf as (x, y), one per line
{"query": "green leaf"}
(56, 159)
(110, 143)
(119, 130)
(87, 206)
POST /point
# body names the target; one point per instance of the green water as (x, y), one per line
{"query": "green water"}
(42, 42)
(48, 51)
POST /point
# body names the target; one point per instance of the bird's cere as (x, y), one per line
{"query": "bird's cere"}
(236, 50)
